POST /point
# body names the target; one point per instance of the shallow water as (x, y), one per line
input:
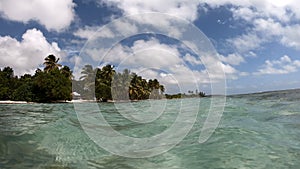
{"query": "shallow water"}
(256, 131)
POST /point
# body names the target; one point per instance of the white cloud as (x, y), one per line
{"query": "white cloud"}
(93, 32)
(125, 28)
(247, 42)
(230, 72)
(186, 9)
(232, 59)
(150, 58)
(244, 13)
(267, 30)
(248, 9)
(114, 29)
(291, 36)
(282, 66)
(28, 54)
(54, 15)
(271, 21)
(268, 27)
(173, 10)
(149, 53)
(243, 74)
(192, 59)
(251, 54)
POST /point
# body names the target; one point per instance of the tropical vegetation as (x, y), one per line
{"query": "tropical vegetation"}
(180, 95)
(54, 84)
(107, 84)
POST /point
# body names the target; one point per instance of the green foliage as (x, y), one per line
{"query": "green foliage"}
(103, 92)
(24, 93)
(55, 84)
(51, 63)
(111, 85)
(4, 93)
(202, 94)
(51, 85)
(88, 79)
(7, 83)
(174, 96)
(179, 95)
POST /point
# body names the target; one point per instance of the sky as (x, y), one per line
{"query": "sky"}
(243, 46)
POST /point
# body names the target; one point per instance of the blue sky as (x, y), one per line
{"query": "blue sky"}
(257, 43)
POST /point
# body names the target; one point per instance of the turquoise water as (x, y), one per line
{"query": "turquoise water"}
(256, 131)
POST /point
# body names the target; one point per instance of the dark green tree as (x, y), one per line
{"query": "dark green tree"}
(51, 63)
(103, 83)
(25, 91)
(8, 83)
(52, 86)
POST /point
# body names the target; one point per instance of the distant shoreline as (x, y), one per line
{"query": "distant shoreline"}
(264, 92)
(71, 101)
(24, 102)
(111, 101)
(13, 102)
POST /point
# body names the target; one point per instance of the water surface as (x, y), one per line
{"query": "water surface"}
(256, 131)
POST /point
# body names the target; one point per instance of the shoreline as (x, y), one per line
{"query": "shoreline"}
(13, 102)
(71, 101)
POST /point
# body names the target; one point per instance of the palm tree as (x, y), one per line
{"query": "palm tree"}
(155, 84)
(87, 73)
(51, 63)
(88, 76)
(154, 87)
(120, 86)
(134, 87)
(8, 72)
(162, 89)
(107, 74)
(67, 72)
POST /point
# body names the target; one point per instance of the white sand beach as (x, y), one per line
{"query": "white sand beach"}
(12, 102)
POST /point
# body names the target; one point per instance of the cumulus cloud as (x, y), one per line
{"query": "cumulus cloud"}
(270, 20)
(28, 54)
(232, 59)
(186, 9)
(143, 53)
(93, 32)
(136, 24)
(192, 59)
(267, 30)
(284, 65)
(246, 42)
(174, 9)
(280, 10)
(153, 59)
(54, 15)
(291, 36)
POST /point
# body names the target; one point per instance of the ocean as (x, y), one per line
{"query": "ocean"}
(259, 130)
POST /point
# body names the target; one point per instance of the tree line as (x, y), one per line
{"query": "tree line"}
(180, 95)
(54, 84)
(107, 84)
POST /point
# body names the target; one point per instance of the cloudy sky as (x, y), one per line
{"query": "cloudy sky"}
(256, 43)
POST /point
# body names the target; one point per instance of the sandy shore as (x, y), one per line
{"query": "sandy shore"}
(80, 101)
(24, 102)
(72, 101)
(12, 102)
